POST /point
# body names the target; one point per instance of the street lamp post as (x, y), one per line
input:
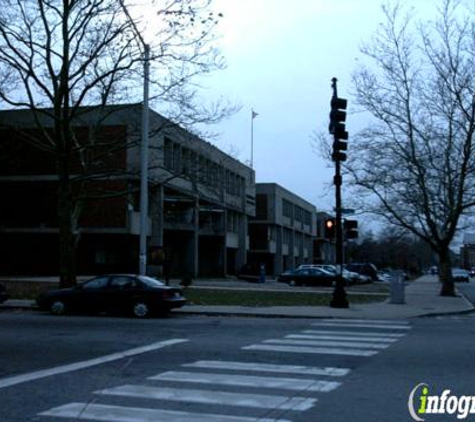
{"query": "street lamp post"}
(144, 167)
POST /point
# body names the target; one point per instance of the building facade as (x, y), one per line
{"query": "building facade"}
(200, 198)
(282, 232)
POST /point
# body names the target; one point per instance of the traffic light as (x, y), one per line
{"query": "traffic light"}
(337, 128)
(351, 229)
(330, 228)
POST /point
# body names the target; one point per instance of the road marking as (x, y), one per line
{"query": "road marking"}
(342, 338)
(248, 381)
(361, 325)
(261, 401)
(266, 367)
(314, 350)
(32, 376)
(367, 321)
(354, 333)
(325, 343)
(101, 412)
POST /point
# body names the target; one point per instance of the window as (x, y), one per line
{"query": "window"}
(287, 208)
(177, 158)
(228, 181)
(168, 154)
(286, 236)
(308, 218)
(95, 284)
(122, 282)
(202, 171)
(261, 207)
(185, 160)
(298, 214)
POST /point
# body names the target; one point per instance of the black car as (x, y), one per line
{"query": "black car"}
(307, 277)
(135, 294)
(3, 294)
(367, 269)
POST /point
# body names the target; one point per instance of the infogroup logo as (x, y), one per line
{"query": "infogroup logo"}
(420, 403)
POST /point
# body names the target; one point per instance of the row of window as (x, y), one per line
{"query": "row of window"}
(298, 240)
(233, 221)
(189, 163)
(296, 212)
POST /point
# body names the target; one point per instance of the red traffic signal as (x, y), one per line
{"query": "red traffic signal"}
(330, 228)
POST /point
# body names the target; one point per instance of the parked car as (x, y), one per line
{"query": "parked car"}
(459, 274)
(350, 276)
(3, 294)
(138, 295)
(307, 277)
(367, 269)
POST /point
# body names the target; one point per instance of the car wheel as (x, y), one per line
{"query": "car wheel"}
(141, 309)
(58, 307)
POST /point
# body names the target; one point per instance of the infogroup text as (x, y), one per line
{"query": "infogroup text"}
(421, 403)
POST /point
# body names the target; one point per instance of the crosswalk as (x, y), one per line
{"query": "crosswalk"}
(245, 390)
(338, 337)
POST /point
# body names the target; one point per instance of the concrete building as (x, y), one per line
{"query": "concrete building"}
(282, 232)
(200, 198)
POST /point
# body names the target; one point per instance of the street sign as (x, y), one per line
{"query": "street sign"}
(346, 211)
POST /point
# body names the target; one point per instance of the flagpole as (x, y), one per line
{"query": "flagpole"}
(252, 138)
(253, 116)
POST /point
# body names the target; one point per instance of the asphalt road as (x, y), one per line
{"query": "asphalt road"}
(220, 366)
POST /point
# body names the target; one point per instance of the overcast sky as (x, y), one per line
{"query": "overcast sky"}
(281, 57)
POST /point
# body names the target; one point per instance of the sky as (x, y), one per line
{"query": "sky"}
(281, 57)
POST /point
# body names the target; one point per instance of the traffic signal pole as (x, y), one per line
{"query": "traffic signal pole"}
(339, 299)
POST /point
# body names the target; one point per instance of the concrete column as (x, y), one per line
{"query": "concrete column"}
(196, 231)
(291, 260)
(279, 256)
(242, 240)
(224, 217)
(156, 240)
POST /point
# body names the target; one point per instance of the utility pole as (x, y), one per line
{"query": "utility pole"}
(337, 129)
(144, 166)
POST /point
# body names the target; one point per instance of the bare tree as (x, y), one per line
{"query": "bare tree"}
(414, 163)
(63, 55)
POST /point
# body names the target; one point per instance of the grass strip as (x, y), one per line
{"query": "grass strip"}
(216, 297)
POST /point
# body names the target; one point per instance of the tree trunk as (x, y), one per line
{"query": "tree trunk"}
(67, 237)
(445, 272)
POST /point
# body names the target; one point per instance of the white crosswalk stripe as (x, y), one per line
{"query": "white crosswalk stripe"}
(265, 367)
(295, 384)
(249, 399)
(361, 325)
(355, 333)
(311, 350)
(262, 401)
(368, 321)
(108, 413)
(341, 338)
(334, 341)
(325, 343)
(198, 385)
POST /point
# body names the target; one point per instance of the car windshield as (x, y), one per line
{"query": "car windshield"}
(149, 281)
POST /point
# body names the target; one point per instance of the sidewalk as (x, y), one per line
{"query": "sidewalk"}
(421, 299)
